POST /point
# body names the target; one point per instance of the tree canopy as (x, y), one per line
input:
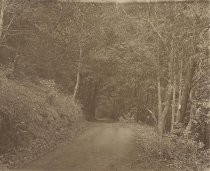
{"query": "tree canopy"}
(142, 60)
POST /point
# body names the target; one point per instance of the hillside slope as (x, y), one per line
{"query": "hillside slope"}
(33, 118)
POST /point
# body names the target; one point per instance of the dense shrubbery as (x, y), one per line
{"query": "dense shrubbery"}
(29, 111)
(179, 152)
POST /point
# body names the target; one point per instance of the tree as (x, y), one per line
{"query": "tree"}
(119, 60)
(2, 17)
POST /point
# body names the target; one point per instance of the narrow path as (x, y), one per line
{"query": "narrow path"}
(104, 147)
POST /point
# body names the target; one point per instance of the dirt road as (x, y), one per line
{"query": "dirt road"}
(104, 147)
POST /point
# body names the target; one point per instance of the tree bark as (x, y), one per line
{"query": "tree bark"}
(173, 105)
(159, 96)
(189, 125)
(76, 88)
(187, 88)
(162, 117)
(162, 114)
(180, 93)
(2, 17)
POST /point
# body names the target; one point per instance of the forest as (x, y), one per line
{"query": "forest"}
(145, 63)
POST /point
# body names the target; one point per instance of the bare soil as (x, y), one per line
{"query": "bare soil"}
(103, 147)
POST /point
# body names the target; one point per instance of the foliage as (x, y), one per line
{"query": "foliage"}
(149, 60)
(179, 152)
(26, 113)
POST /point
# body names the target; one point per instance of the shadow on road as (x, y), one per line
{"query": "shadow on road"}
(105, 120)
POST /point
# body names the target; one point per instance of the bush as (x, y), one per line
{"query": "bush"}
(180, 152)
(29, 111)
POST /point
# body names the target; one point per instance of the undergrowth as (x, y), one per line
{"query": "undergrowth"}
(33, 115)
(180, 153)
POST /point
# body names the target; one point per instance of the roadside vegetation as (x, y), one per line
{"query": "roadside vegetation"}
(34, 118)
(175, 152)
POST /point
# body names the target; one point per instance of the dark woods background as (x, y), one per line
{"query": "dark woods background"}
(146, 61)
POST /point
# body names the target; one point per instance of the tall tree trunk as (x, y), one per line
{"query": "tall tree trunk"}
(76, 88)
(3, 4)
(162, 114)
(140, 103)
(180, 92)
(162, 117)
(189, 125)
(187, 88)
(159, 96)
(173, 105)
